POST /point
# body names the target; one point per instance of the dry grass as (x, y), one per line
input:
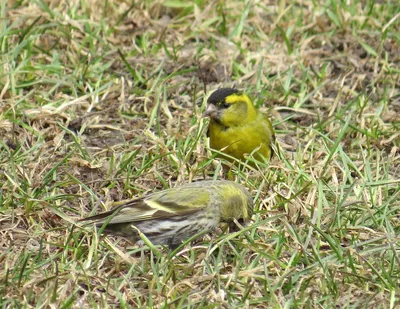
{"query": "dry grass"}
(102, 101)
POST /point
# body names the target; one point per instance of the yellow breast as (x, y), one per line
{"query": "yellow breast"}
(236, 141)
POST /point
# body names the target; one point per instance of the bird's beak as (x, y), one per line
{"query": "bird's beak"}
(209, 111)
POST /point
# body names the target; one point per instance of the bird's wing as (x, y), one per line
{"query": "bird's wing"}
(267, 127)
(159, 205)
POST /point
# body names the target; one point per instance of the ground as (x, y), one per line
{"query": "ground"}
(101, 101)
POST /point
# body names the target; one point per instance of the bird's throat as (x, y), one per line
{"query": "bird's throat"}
(218, 122)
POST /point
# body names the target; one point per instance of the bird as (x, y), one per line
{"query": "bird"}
(171, 216)
(236, 127)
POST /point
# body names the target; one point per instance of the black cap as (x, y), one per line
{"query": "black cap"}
(219, 95)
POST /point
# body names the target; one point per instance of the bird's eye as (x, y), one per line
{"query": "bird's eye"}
(223, 104)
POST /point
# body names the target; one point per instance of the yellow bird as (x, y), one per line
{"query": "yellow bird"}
(237, 127)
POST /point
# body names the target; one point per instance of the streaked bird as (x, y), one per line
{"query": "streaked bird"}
(171, 216)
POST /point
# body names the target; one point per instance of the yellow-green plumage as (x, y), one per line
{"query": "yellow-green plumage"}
(236, 127)
(168, 217)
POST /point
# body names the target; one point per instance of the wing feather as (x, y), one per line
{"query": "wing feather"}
(160, 205)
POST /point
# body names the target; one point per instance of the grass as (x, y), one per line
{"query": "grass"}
(101, 101)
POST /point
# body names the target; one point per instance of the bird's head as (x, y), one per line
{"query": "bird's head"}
(229, 107)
